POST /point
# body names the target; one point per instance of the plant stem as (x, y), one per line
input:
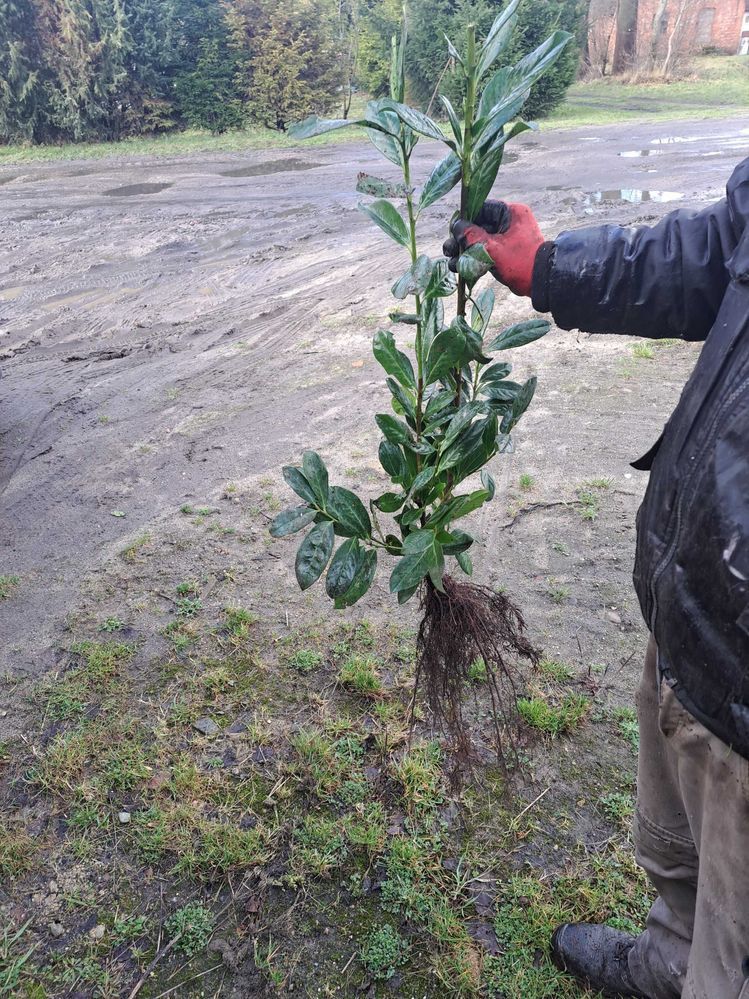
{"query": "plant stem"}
(414, 255)
(469, 110)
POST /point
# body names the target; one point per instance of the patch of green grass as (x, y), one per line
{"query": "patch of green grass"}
(127, 929)
(187, 509)
(558, 594)
(194, 923)
(603, 482)
(111, 624)
(477, 671)
(589, 502)
(554, 669)
(318, 848)
(7, 585)
(188, 607)
(130, 552)
(238, 621)
(366, 827)
(188, 589)
(617, 807)
(610, 889)
(359, 673)
(13, 959)
(305, 660)
(419, 773)
(383, 952)
(17, 851)
(526, 482)
(561, 548)
(97, 677)
(626, 719)
(643, 351)
(554, 718)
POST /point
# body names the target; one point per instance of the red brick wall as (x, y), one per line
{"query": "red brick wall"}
(726, 25)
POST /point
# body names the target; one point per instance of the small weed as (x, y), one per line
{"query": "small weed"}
(554, 719)
(366, 827)
(643, 350)
(477, 671)
(383, 952)
(305, 660)
(130, 552)
(561, 548)
(420, 774)
(360, 675)
(555, 670)
(190, 589)
(129, 928)
(617, 807)
(559, 594)
(13, 959)
(111, 624)
(264, 956)
(195, 924)
(589, 503)
(8, 585)
(186, 509)
(238, 621)
(188, 607)
(629, 729)
(526, 482)
(318, 848)
(600, 483)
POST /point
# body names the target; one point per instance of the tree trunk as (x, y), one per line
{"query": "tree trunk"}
(626, 35)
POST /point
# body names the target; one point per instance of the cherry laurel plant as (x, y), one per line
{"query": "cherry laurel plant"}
(453, 405)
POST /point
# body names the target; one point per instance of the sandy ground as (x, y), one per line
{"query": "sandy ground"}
(169, 326)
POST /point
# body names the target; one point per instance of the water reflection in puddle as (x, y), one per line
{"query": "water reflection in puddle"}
(270, 166)
(133, 190)
(634, 196)
(632, 154)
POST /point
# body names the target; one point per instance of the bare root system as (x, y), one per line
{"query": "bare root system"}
(461, 625)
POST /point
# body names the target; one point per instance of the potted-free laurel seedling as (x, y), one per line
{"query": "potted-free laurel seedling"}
(453, 406)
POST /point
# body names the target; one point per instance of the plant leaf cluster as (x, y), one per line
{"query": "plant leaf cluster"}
(453, 405)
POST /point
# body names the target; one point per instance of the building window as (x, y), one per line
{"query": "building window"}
(704, 34)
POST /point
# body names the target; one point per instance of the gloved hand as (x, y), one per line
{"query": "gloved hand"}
(511, 236)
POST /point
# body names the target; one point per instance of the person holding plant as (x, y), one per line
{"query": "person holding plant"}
(687, 277)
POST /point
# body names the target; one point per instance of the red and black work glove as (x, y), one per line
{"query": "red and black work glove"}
(511, 236)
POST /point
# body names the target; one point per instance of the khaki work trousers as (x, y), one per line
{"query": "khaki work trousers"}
(692, 839)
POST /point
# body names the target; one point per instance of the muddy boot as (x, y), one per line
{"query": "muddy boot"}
(597, 956)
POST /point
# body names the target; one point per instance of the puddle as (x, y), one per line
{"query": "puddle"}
(133, 190)
(632, 154)
(634, 196)
(270, 166)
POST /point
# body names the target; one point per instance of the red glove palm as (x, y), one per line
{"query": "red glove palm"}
(511, 236)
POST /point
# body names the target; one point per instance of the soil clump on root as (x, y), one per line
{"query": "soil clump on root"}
(461, 625)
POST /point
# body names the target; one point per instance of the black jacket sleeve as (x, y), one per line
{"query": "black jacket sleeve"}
(667, 280)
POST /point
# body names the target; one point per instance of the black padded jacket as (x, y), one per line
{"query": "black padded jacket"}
(688, 277)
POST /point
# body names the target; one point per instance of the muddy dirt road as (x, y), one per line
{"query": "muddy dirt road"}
(170, 326)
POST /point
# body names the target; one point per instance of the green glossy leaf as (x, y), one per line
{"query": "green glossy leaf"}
(393, 430)
(418, 121)
(433, 311)
(314, 554)
(386, 142)
(487, 167)
(498, 37)
(453, 52)
(394, 361)
(476, 451)
(454, 122)
(343, 567)
(406, 318)
(292, 520)
(390, 502)
(362, 581)
(398, 64)
(393, 461)
(405, 595)
(446, 352)
(502, 391)
(465, 563)
(349, 513)
(312, 125)
(387, 217)
(423, 479)
(483, 307)
(316, 474)
(415, 280)
(519, 404)
(455, 541)
(462, 419)
(495, 374)
(475, 261)
(379, 188)
(520, 334)
(404, 401)
(442, 283)
(498, 88)
(411, 516)
(443, 178)
(422, 554)
(295, 478)
(464, 447)
(439, 409)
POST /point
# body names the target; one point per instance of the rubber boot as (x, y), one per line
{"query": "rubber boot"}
(596, 956)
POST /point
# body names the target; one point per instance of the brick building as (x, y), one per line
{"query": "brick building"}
(642, 32)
